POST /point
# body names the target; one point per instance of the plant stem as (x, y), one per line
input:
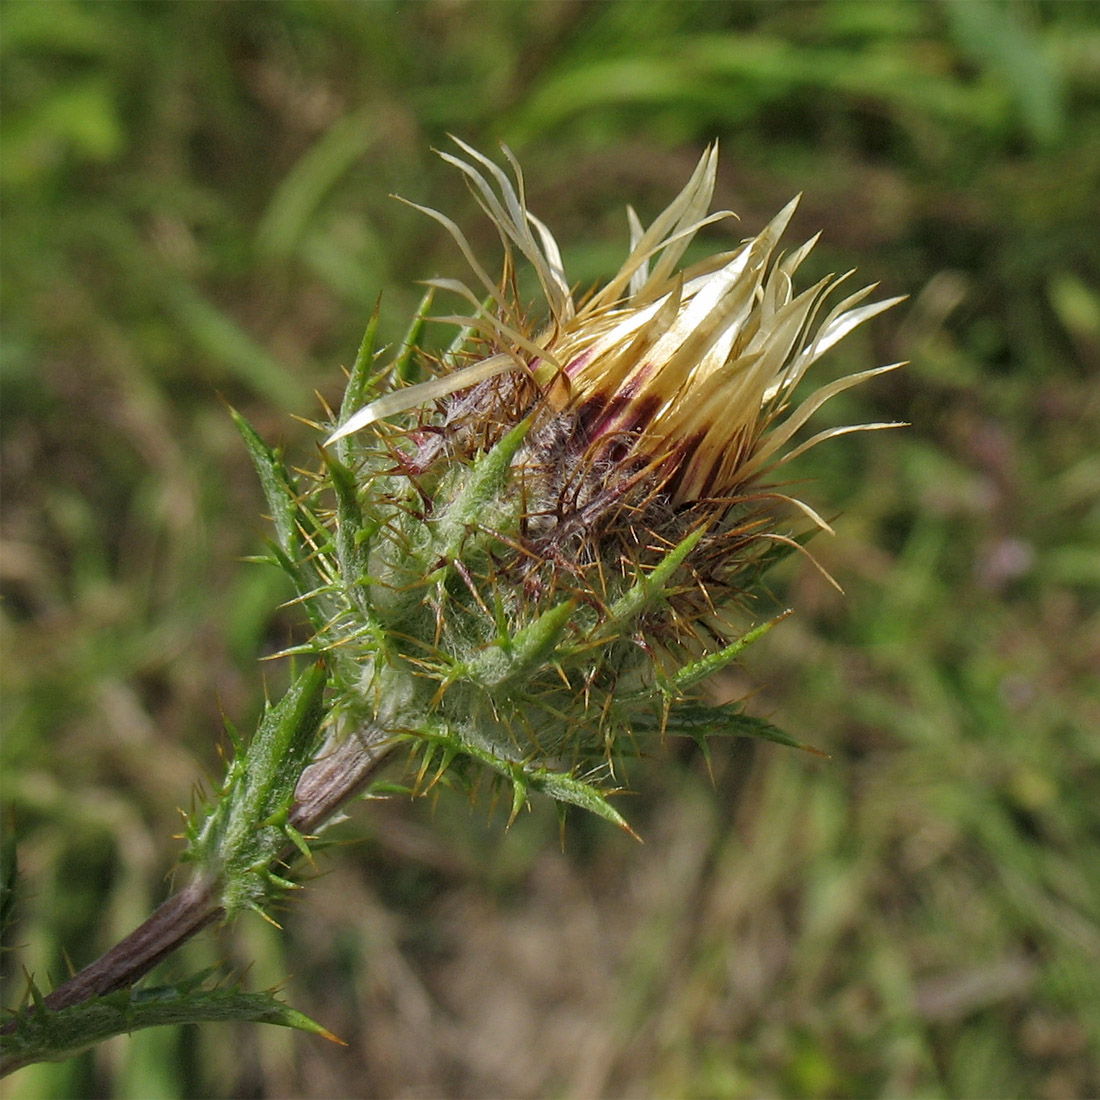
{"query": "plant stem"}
(339, 772)
(178, 919)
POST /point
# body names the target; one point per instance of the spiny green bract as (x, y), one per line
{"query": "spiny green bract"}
(245, 828)
(449, 618)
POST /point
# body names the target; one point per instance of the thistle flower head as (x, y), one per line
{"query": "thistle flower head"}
(689, 371)
(539, 552)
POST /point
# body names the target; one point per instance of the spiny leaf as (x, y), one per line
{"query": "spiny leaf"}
(698, 721)
(556, 785)
(245, 829)
(564, 788)
(482, 487)
(361, 379)
(351, 538)
(692, 674)
(297, 530)
(404, 366)
(512, 658)
(40, 1034)
(651, 586)
(519, 792)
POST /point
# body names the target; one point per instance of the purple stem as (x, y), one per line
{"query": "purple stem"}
(338, 774)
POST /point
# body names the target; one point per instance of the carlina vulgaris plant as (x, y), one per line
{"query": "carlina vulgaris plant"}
(557, 534)
(523, 567)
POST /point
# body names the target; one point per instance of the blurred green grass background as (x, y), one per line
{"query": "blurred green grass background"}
(196, 211)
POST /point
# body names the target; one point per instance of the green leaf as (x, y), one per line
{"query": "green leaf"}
(361, 382)
(651, 586)
(559, 786)
(245, 831)
(39, 1034)
(275, 482)
(692, 674)
(482, 486)
(699, 721)
(526, 650)
(297, 530)
(565, 788)
(405, 368)
(352, 536)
